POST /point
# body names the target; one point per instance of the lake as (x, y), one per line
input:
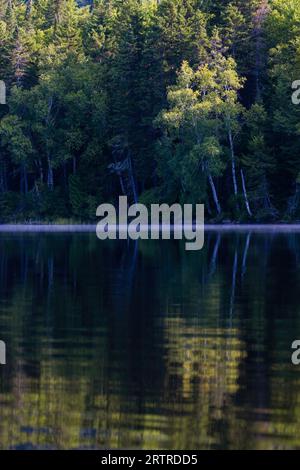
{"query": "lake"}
(143, 345)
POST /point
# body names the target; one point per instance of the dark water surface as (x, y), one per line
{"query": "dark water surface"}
(125, 345)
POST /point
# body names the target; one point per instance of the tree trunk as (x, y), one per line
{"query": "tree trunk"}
(215, 194)
(50, 179)
(293, 202)
(267, 204)
(41, 171)
(245, 194)
(132, 180)
(24, 179)
(122, 184)
(233, 169)
(208, 207)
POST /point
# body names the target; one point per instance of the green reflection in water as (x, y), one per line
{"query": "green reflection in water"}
(119, 345)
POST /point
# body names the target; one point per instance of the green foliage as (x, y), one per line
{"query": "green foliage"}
(197, 94)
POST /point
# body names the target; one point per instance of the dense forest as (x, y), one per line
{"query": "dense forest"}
(164, 101)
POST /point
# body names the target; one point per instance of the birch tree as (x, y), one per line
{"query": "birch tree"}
(191, 118)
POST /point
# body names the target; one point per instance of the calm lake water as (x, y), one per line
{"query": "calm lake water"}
(126, 345)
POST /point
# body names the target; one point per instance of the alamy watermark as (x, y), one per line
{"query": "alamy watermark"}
(296, 353)
(2, 353)
(161, 222)
(296, 94)
(2, 92)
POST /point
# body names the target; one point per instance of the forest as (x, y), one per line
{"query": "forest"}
(165, 101)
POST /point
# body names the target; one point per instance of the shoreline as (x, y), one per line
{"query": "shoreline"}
(88, 228)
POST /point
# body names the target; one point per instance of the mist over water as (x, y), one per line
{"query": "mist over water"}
(144, 345)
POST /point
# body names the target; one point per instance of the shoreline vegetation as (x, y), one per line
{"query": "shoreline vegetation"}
(170, 101)
(91, 227)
